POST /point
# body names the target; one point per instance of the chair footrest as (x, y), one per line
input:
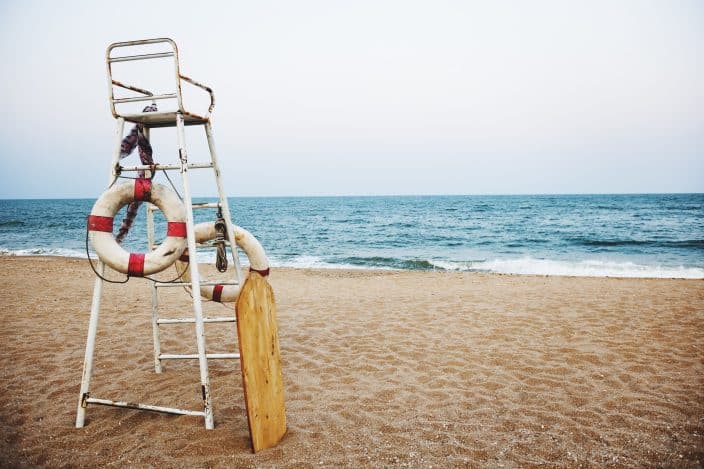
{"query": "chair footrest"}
(194, 356)
(192, 320)
(153, 408)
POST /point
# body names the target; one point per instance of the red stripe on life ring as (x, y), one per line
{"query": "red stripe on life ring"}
(176, 229)
(263, 273)
(135, 266)
(142, 189)
(217, 293)
(98, 223)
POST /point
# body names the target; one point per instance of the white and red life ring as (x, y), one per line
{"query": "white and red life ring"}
(100, 225)
(258, 261)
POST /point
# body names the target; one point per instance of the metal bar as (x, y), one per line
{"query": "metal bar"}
(195, 275)
(137, 99)
(132, 88)
(167, 167)
(114, 170)
(191, 320)
(185, 284)
(128, 58)
(152, 208)
(155, 329)
(95, 303)
(206, 88)
(111, 92)
(177, 75)
(153, 408)
(225, 205)
(190, 356)
(155, 294)
(141, 42)
(150, 227)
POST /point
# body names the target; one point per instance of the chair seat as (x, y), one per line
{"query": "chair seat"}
(163, 119)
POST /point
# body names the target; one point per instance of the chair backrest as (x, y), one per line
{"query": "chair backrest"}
(157, 50)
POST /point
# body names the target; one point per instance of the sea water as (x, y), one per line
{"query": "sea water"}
(649, 235)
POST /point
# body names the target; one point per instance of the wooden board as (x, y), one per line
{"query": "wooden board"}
(262, 376)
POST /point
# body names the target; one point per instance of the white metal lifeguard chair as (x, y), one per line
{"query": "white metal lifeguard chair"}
(124, 109)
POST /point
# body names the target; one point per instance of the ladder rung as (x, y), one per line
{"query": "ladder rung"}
(153, 408)
(154, 208)
(188, 284)
(189, 356)
(137, 99)
(212, 244)
(168, 167)
(127, 58)
(192, 320)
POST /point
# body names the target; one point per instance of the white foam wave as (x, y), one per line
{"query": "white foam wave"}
(519, 266)
(585, 268)
(55, 252)
(311, 262)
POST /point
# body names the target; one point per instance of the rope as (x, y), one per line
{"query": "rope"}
(221, 256)
(166, 173)
(127, 277)
(135, 138)
(90, 261)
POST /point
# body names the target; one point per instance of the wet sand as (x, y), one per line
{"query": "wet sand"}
(400, 369)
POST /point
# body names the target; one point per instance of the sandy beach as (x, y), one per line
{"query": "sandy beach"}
(381, 368)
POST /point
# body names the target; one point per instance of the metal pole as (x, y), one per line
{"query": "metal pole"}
(155, 292)
(195, 276)
(155, 329)
(95, 304)
(223, 201)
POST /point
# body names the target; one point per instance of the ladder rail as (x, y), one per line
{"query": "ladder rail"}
(95, 302)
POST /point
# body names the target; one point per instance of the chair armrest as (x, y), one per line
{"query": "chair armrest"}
(132, 88)
(206, 88)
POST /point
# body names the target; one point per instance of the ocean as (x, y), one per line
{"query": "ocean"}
(648, 235)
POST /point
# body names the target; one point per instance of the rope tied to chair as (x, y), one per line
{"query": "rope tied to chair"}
(136, 138)
(221, 230)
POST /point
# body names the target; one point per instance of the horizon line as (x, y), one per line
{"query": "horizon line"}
(387, 195)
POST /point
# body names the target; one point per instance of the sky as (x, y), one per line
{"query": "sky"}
(332, 97)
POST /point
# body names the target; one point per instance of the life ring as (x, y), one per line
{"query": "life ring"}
(100, 225)
(258, 261)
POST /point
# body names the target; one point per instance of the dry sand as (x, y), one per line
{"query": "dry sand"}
(381, 369)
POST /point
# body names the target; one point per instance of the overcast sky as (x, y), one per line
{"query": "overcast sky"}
(373, 97)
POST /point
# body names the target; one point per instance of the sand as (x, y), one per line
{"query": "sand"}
(399, 369)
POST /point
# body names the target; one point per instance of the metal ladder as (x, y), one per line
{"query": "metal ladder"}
(177, 117)
(158, 321)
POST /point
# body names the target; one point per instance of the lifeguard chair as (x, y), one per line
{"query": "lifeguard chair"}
(126, 103)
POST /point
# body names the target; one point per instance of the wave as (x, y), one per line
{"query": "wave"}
(687, 243)
(54, 252)
(312, 262)
(516, 266)
(11, 223)
(585, 268)
(389, 263)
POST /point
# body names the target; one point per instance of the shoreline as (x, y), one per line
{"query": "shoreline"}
(381, 368)
(387, 269)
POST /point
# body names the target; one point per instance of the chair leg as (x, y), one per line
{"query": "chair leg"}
(95, 304)
(195, 278)
(155, 329)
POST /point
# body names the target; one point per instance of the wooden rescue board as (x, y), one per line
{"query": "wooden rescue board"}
(262, 376)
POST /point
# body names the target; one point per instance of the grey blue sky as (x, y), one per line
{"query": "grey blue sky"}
(373, 97)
